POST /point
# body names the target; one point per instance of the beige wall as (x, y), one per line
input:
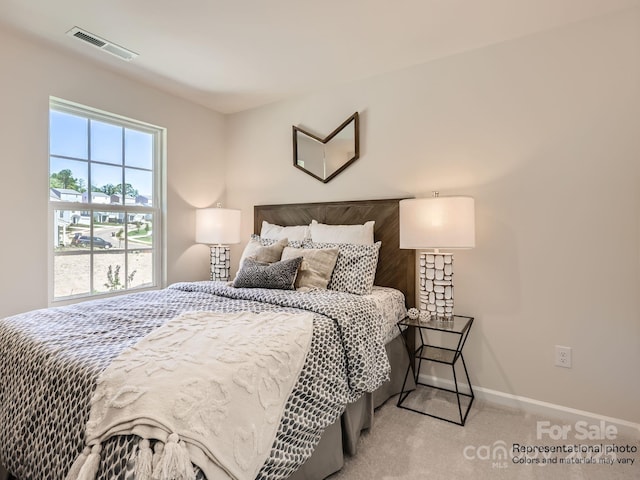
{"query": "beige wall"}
(544, 132)
(30, 73)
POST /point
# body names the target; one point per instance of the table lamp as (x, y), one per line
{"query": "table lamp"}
(218, 227)
(437, 223)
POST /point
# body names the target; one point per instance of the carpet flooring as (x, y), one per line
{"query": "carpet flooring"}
(409, 446)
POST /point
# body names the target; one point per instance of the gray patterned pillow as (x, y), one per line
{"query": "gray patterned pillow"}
(355, 269)
(279, 275)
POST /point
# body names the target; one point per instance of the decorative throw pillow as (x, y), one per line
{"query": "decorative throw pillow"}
(316, 268)
(278, 232)
(355, 269)
(263, 253)
(353, 234)
(279, 275)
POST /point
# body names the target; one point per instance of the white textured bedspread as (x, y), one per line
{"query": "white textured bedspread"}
(217, 381)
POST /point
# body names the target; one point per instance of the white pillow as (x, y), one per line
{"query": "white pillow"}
(353, 234)
(278, 232)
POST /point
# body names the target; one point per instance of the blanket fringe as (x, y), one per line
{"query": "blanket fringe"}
(144, 466)
(158, 451)
(74, 471)
(89, 469)
(174, 464)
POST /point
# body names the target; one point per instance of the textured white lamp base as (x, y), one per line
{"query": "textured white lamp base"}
(220, 263)
(436, 284)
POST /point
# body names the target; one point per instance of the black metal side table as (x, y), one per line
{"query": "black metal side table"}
(460, 327)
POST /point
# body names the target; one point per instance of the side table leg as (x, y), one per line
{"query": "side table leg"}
(408, 338)
(472, 395)
(455, 382)
(410, 343)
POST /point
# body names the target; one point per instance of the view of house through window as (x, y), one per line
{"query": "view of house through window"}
(104, 188)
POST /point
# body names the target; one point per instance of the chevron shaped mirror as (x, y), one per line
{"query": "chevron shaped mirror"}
(324, 158)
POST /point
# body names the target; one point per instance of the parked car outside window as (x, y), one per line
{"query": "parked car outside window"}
(85, 241)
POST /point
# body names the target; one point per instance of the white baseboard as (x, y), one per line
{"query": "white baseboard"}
(536, 407)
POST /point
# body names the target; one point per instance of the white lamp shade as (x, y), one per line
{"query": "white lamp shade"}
(217, 226)
(437, 222)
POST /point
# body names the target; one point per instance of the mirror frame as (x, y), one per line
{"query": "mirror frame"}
(353, 118)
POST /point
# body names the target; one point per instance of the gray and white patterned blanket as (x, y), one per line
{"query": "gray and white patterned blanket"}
(50, 360)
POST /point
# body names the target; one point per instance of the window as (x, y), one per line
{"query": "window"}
(105, 187)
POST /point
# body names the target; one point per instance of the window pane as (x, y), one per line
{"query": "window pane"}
(108, 263)
(68, 178)
(66, 225)
(71, 264)
(68, 135)
(109, 271)
(138, 149)
(107, 181)
(140, 249)
(139, 185)
(140, 264)
(140, 230)
(72, 273)
(106, 142)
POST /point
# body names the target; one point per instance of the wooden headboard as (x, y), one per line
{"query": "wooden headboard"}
(396, 267)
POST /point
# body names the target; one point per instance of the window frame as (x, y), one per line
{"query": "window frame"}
(158, 208)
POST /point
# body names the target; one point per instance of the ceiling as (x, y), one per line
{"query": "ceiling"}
(233, 55)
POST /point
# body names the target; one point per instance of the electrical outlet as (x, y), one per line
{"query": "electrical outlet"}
(563, 356)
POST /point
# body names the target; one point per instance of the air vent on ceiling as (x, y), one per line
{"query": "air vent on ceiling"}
(102, 44)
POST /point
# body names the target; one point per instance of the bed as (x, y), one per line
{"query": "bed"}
(50, 360)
